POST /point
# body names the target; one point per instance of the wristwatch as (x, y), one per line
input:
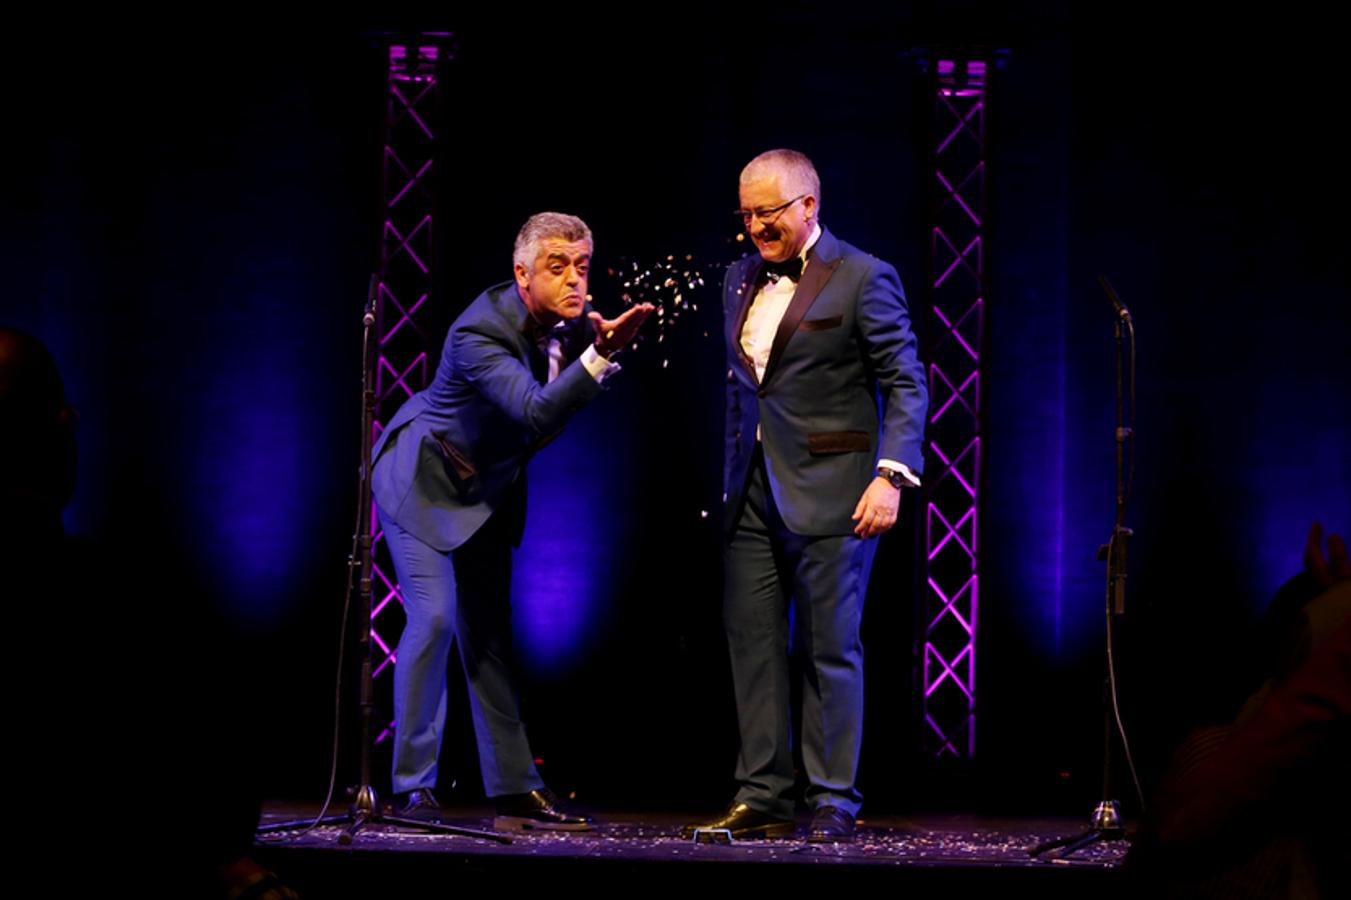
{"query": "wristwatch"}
(895, 478)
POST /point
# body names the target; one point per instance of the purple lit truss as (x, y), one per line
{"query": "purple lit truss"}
(404, 282)
(948, 626)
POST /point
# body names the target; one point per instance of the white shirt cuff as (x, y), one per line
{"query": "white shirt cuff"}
(899, 467)
(598, 366)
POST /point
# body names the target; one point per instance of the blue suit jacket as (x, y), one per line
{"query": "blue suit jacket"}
(452, 452)
(844, 340)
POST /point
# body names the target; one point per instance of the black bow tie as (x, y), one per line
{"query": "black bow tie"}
(540, 335)
(789, 268)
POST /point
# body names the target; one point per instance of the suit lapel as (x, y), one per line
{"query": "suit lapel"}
(824, 260)
(749, 283)
(517, 318)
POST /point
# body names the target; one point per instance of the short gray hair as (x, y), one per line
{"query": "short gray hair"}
(542, 226)
(798, 173)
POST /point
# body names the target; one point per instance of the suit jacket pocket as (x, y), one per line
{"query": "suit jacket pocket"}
(821, 324)
(827, 443)
(458, 463)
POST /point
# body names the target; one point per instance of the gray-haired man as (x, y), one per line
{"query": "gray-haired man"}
(449, 478)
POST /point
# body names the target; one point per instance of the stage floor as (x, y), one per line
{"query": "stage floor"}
(957, 853)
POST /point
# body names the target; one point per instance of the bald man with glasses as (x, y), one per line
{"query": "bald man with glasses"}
(817, 332)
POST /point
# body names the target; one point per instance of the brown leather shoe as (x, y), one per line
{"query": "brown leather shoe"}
(536, 811)
(831, 825)
(742, 821)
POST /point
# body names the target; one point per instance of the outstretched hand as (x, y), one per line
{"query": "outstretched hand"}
(614, 334)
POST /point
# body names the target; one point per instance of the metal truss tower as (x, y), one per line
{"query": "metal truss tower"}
(403, 285)
(952, 478)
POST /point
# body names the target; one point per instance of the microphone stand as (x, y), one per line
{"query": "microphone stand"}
(1106, 823)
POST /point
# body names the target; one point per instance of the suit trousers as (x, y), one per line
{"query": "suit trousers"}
(825, 578)
(463, 595)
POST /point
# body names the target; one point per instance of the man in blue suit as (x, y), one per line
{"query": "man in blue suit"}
(449, 479)
(816, 331)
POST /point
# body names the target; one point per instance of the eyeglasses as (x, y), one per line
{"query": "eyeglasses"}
(768, 216)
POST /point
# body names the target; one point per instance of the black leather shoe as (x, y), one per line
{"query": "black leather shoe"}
(420, 805)
(536, 811)
(830, 825)
(743, 821)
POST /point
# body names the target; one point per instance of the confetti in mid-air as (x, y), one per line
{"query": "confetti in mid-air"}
(673, 285)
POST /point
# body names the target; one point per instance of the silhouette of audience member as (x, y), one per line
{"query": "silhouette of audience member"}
(37, 444)
(1256, 808)
(90, 705)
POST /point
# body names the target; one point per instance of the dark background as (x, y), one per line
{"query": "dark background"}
(191, 219)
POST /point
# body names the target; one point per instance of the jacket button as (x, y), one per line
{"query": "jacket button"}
(762, 393)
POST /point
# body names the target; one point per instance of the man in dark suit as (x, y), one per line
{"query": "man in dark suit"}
(449, 479)
(815, 330)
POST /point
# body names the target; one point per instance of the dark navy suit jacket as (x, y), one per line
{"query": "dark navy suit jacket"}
(453, 452)
(844, 342)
